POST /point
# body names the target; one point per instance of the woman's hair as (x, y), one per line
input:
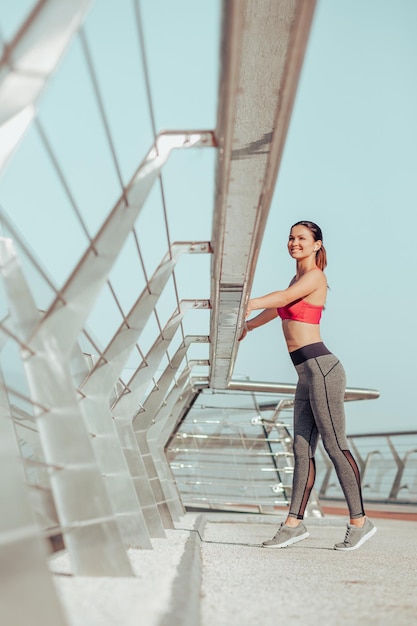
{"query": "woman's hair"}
(321, 256)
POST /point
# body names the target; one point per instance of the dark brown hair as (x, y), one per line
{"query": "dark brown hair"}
(321, 256)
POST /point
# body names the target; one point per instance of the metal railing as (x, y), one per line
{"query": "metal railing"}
(233, 452)
(388, 465)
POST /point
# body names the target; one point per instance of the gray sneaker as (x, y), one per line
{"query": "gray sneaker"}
(355, 536)
(285, 536)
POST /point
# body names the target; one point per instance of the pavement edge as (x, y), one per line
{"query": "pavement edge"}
(186, 589)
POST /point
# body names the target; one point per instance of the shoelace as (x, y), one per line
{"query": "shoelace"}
(278, 531)
(282, 526)
(348, 531)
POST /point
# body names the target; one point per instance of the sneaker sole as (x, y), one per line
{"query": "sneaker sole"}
(360, 543)
(287, 543)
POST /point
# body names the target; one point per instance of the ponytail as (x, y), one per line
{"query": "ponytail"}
(321, 258)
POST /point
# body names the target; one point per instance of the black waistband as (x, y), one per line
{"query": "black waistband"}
(308, 352)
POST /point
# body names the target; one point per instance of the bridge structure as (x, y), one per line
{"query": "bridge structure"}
(122, 300)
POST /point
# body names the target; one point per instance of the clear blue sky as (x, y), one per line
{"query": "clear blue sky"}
(350, 165)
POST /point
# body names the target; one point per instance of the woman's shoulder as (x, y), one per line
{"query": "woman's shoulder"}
(316, 274)
(316, 278)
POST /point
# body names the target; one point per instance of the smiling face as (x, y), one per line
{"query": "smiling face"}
(301, 243)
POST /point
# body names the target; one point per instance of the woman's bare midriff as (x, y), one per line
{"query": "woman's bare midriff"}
(299, 334)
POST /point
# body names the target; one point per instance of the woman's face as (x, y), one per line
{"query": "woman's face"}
(301, 242)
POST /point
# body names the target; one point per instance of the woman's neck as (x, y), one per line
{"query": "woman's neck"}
(304, 266)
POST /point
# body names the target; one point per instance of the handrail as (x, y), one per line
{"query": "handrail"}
(236, 454)
(351, 393)
(384, 434)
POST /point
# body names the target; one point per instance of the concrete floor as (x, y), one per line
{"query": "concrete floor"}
(212, 571)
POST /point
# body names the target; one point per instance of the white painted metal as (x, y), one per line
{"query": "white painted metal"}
(163, 414)
(37, 471)
(165, 421)
(126, 405)
(29, 60)
(87, 279)
(157, 399)
(58, 330)
(29, 590)
(91, 532)
(97, 390)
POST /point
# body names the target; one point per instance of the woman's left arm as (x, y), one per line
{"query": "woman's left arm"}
(307, 284)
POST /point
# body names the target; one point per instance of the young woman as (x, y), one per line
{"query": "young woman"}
(319, 397)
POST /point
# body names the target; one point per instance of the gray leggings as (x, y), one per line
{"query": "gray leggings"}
(319, 411)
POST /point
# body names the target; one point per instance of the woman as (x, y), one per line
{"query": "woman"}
(319, 397)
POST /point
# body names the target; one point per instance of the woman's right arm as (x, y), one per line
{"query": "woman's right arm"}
(261, 319)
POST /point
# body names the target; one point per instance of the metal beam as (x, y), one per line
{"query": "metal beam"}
(22, 549)
(91, 533)
(29, 60)
(160, 402)
(351, 393)
(69, 311)
(263, 45)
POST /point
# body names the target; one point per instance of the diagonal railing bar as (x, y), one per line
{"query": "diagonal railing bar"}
(116, 300)
(163, 430)
(137, 316)
(6, 332)
(29, 60)
(146, 417)
(58, 169)
(177, 297)
(126, 405)
(383, 462)
(93, 343)
(65, 327)
(14, 234)
(17, 394)
(115, 471)
(140, 255)
(22, 549)
(84, 284)
(170, 247)
(158, 321)
(145, 273)
(111, 459)
(145, 65)
(147, 281)
(159, 433)
(96, 549)
(23, 419)
(80, 366)
(102, 109)
(166, 413)
(164, 205)
(109, 367)
(400, 463)
(171, 256)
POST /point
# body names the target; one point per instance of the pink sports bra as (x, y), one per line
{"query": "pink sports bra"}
(301, 311)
